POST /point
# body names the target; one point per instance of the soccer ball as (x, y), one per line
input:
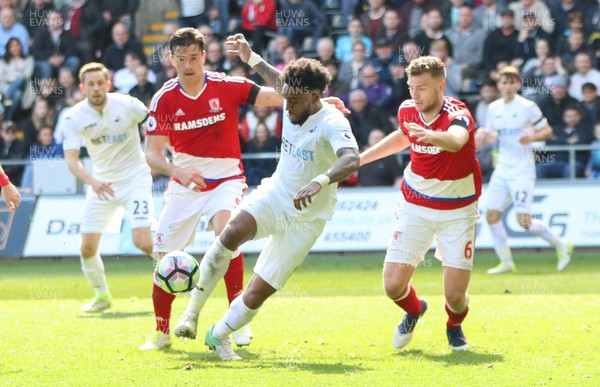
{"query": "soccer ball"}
(177, 272)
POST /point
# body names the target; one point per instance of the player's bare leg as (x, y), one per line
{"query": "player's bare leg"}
(500, 238)
(396, 282)
(456, 282)
(215, 263)
(241, 311)
(563, 248)
(93, 269)
(142, 239)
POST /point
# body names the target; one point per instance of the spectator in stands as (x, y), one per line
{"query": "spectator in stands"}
(592, 18)
(538, 81)
(215, 59)
(562, 11)
(68, 92)
(167, 70)
(262, 141)
(125, 79)
(529, 33)
(16, 8)
(575, 21)
(575, 45)
(156, 64)
(42, 115)
(433, 31)
(290, 53)
(391, 31)
(258, 19)
(383, 59)
(373, 17)
(554, 105)
(499, 46)
(35, 15)
(54, 48)
(260, 114)
(591, 103)
(325, 49)
(399, 87)
(453, 13)
(542, 50)
(345, 43)
(193, 13)
(208, 33)
(301, 19)
(411, 14)
(488, 93)
(378, 93)
(365, 117)
(572, 131)
(12, 149)
(484, 154)
(44, 148)
(409, 52)
(85, 27)
(592, 169)
(453, 70)
(276, 48)
(114, 56)
(336, 86)
(537, 8)
(15, 71)
(467, 48)
(144, 89)
(10, 28)
(585, 73)
(383, 172)
(487, 16)
(349, 71)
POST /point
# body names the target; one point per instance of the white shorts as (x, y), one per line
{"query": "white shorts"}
(183, 209)
(133, 198)
(290, 242)
(417, 227)
(502, 192)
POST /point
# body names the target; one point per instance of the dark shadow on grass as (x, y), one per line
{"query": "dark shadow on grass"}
(11, 372)
(465, 357)
(201, 360)
(113, 315)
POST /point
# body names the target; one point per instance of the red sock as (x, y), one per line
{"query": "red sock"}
(455, 319)
(411, 303)
(234, 278)
(162, 308)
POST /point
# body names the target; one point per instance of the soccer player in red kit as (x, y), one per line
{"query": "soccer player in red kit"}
(196, 114)
(441, 186)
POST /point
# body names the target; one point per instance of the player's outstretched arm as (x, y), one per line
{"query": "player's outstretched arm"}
(484, 137)
(542, 134)
(10, 194)
(346, 164)
(156, 159)
(101, 188)
(452, 140)
(392, 143)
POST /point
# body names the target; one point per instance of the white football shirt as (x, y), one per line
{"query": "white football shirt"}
(510, 121)
(111, 137)
(306, 152)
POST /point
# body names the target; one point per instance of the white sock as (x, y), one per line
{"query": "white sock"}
(212, 268)
(501, 242)
(93, 270)
(540, 228)
(236, 317)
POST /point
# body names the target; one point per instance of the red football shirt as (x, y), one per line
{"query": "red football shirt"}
(203, 129)
(436, 178)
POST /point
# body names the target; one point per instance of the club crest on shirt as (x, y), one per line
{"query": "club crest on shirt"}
(215, 105)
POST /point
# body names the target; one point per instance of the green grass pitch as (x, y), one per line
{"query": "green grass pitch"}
(330, 326)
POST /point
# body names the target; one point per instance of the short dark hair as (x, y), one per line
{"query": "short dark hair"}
(589, 86)
(185, 37)
(427, 64)
(306, 74)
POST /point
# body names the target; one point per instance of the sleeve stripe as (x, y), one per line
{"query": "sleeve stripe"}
(167, 87)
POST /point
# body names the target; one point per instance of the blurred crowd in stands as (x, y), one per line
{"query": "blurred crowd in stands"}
(366, 45)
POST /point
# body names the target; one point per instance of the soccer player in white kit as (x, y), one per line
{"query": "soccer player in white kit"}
(516, 122)
(108, 125)
(441, 186)
(292, 207)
